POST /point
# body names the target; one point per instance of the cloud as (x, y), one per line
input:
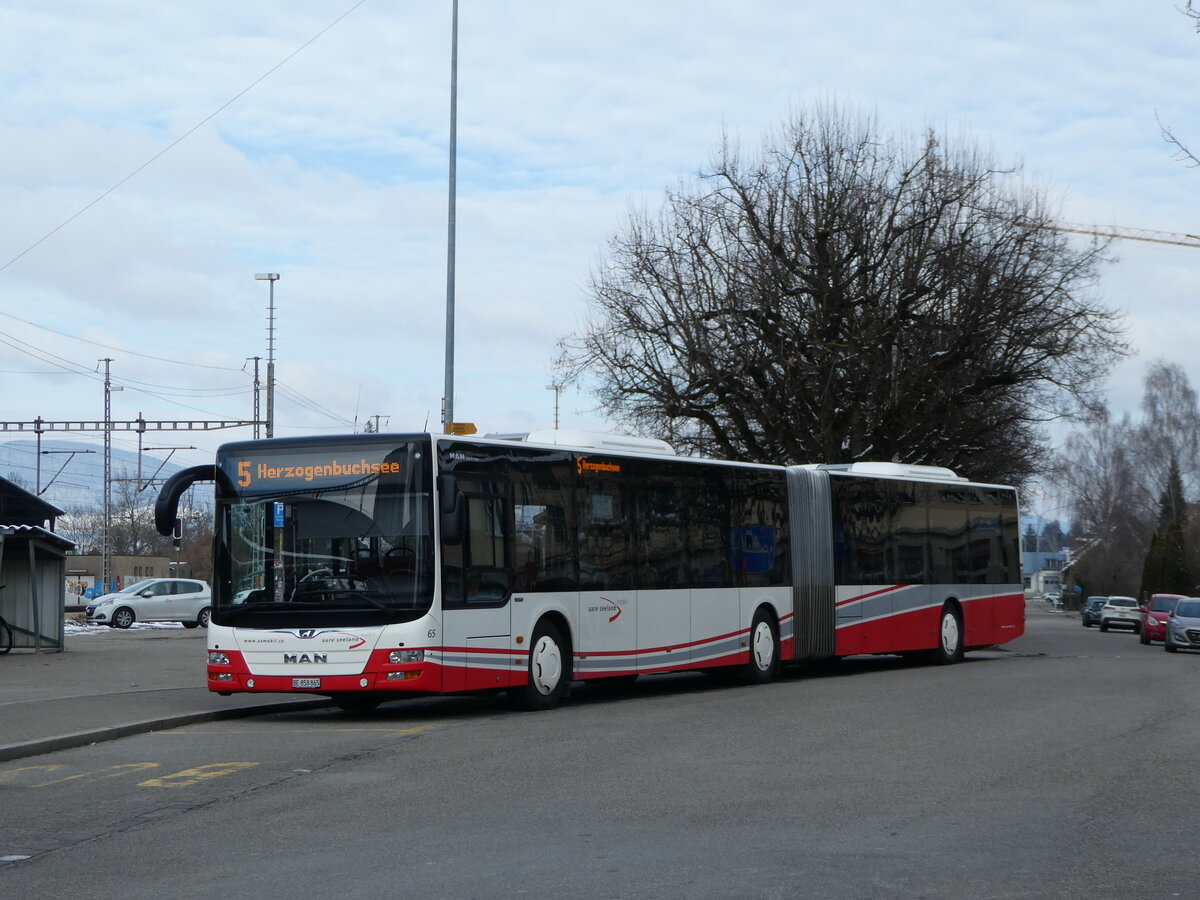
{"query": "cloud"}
(332, 170)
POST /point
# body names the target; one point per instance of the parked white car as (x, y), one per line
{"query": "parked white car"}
(154, 600)
(1122, 612)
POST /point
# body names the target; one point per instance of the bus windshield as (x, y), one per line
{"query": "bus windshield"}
(324, 534)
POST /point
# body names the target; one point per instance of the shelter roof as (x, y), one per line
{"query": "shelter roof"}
(19, 507)
(38, 533)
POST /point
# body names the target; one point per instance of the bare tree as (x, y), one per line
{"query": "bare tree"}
(1170, 428)
(1182, 151)
(84, 527)
(133, 531)
(846, 296)
(1113, 514)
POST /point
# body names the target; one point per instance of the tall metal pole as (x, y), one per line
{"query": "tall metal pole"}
(257, 413)
(38, 429)
(270, 277)
(448, 398)
(271, 360)
(557, 388)
(106, 546)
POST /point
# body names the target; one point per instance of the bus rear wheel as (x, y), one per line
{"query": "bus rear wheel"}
(950, 637)
(549, 673)
(764, 649)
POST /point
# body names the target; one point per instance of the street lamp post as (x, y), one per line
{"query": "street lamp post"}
(448, 398)
(557, 388)
(270, 277)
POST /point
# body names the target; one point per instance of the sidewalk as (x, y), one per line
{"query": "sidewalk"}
(110, 684)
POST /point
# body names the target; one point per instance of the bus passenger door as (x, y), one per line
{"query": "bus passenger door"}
(476, 635)
(664, 626)
(608, 611)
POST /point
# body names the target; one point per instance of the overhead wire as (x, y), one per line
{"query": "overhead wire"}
(74, 368)
(110, 347)
(220, 109)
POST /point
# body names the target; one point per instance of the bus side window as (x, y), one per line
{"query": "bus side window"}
(758, 542)
(605, 538)
(909, 534)
(949, 535)
(708, 531)
(660, 523)
(543, 551)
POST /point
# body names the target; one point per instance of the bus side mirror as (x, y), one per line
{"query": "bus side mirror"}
(453, 508)
(166, 507)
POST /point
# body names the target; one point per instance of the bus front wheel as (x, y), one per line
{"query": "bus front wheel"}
(549, 672)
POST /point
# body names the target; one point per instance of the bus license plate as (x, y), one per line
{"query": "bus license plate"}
(300, 683)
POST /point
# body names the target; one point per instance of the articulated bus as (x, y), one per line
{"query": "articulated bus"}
(368, 567)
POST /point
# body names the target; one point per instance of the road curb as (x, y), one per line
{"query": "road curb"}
(10, 752)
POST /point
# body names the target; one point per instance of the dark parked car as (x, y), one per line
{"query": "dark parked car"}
(1183, 626)
(1154, 621)
(1091, 611)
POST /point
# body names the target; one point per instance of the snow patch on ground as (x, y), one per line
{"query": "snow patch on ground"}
(81, 629)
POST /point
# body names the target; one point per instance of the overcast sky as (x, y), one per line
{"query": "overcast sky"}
(310, 138)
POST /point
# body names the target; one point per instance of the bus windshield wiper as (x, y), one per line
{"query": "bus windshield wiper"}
(329, 593)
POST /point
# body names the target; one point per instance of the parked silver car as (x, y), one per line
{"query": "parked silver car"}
(1183, 626)
(154, 600)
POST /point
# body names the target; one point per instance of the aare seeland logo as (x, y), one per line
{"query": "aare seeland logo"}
(344, 640)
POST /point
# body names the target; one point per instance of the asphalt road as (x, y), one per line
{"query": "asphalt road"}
(1062, 766)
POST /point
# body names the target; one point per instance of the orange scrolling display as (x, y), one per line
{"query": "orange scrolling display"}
(249, 471)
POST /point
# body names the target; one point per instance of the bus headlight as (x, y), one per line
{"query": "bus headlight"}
(216, 658)
(406, 656)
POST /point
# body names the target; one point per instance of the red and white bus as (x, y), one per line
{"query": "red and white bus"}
(366, 567)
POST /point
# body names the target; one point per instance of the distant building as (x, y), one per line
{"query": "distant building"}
(84, 572)
(1043, 572)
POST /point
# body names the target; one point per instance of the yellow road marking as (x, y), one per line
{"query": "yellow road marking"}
(113, 772)
(197, 774)
(10, 774)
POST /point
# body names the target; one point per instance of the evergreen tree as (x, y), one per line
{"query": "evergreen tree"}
(1031, 539)
(1166, 569)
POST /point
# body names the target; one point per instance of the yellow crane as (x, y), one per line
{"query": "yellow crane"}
(1116, 231)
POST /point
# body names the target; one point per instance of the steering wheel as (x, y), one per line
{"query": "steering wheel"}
(400, 559)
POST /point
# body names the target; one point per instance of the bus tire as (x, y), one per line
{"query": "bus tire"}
(949, 636)
(764, 649)
(355, 703)
(549, 671)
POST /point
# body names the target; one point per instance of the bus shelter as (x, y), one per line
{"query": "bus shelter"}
(33, 564)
